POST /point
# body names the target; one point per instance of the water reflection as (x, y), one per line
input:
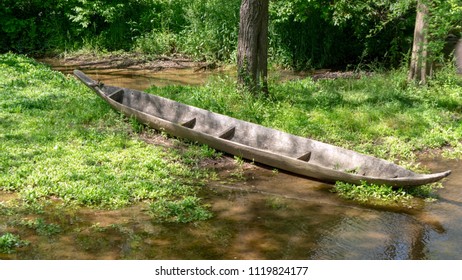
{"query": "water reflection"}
(136, 78)
(385, 236)
(447, 211)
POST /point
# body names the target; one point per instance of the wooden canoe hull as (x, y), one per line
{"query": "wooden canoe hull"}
(268, 146)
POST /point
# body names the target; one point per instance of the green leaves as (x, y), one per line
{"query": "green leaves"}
(10, 242)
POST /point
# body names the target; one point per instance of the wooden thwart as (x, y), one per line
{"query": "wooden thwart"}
(306, 157)
(228, 134)
(115, 95)
(190, 124)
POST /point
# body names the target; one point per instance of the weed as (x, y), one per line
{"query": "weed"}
(197, 152)
(426, 192)
(276, 203)
(136, 125)
(384, 195)
(10, 242)
(238, 172)
(156, 43)
(185, 210)
(41, 227)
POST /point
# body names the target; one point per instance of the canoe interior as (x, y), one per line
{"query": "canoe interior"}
(257, 136)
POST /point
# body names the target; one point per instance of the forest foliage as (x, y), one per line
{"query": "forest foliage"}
(303, 34)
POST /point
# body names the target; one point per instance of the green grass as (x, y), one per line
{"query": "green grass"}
(373, 194)
(383, 195)
(378, 114)
(58, 140)
(41, 227)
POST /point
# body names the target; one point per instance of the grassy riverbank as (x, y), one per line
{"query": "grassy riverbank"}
(376, 114)
(59, 142)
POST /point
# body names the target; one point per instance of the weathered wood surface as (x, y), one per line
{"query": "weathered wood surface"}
(275, 148)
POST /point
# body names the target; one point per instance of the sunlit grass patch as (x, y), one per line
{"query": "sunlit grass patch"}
(59, 140)
(40, 226)
(383, 195)
(372, 194)
(378, 114)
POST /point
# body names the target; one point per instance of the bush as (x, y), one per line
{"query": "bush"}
(303, 34)
(211, 29)
(157, 43)
(31, 26)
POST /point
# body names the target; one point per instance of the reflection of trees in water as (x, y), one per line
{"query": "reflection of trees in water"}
(375, 236)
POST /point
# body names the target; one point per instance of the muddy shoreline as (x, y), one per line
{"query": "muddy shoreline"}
(143, 62)
(132, 61)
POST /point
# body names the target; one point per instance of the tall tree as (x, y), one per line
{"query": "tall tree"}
(420, 67)
(252, 55)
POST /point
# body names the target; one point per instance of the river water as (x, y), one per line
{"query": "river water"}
(268, 215)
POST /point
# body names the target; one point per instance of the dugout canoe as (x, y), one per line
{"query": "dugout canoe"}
(257, 143)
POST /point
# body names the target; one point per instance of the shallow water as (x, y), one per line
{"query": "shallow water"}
(139, 79)
(316, 224)
(142, 79)
(269, 215)
(445, 243)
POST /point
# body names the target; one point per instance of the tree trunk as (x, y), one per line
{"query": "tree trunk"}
(419, 69)
(252, 53)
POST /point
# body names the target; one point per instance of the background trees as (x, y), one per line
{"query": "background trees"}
(435, 21)
(33, 25)
(302, 34)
